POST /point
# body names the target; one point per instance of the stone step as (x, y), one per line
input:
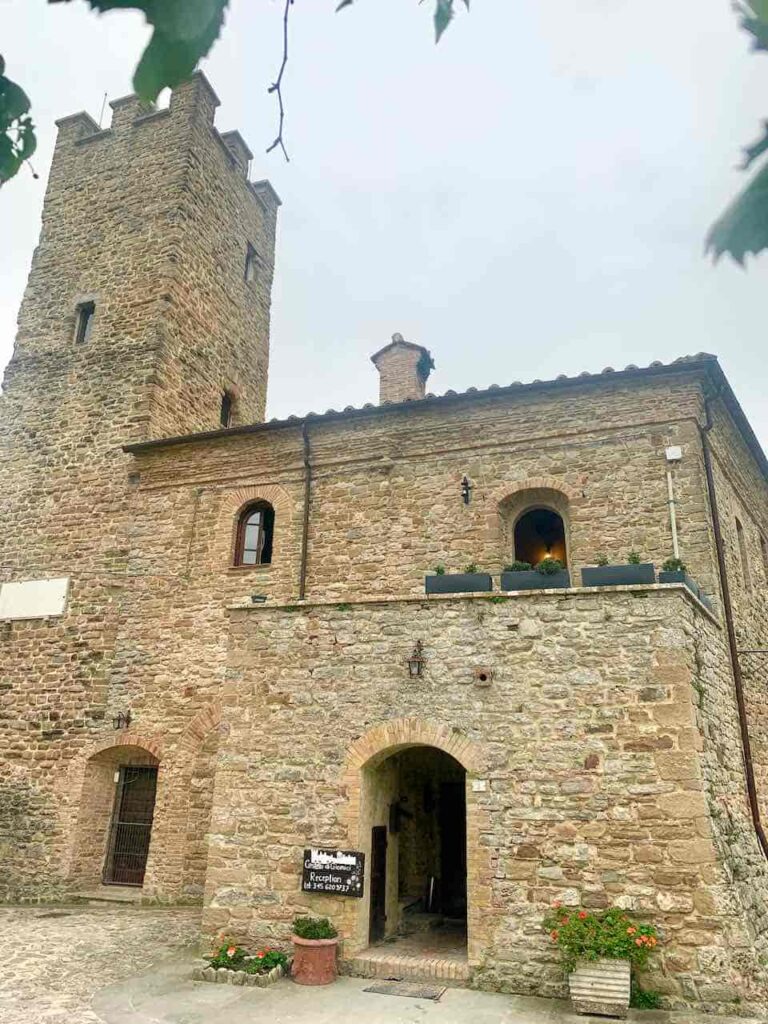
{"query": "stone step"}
(450, 972)
(112, 894)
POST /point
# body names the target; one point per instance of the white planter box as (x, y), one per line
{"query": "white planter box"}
(601, 986)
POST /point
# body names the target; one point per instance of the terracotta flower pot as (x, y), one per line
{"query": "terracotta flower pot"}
(601, 987)
(314, 961)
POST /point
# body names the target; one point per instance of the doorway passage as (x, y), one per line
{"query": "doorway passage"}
(131, 827)
(418, 866)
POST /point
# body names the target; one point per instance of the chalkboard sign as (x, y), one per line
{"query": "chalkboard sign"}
(333, 871)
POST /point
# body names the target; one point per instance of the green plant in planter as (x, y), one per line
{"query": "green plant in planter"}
(228, 955)
(602, 560)
(264, 961)
(633, 558)
(674, 565)
(550, 566)
(439, 570)
(314, 928)
(470, 569)
(518, 567)
(609, 934)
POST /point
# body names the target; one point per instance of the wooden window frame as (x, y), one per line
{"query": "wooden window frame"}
(266, 535)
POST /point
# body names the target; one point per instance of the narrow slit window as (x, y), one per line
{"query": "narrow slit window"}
(225, 413)
(743, 556)
(254, 535)
(251, 265)
(764, 551)
(85, 314)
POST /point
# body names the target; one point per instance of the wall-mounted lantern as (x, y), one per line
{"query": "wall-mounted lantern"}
(121, 720)
(416, 661)
(466, 490)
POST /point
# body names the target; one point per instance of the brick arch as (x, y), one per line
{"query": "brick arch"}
(151, 742)
(233, 502)
(380, 742)
(536, 483)
(195, 734)
(367, 753)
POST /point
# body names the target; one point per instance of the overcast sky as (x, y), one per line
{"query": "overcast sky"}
(528, 198)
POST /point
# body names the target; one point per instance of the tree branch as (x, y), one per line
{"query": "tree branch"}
(277, 86)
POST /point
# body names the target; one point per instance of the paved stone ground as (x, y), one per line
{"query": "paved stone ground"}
(116, 964)
(56, 958)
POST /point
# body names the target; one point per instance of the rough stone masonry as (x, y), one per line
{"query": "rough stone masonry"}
(245, 597)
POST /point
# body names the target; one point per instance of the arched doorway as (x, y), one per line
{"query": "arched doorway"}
(414, 811)
(114, 827)
(540, 533)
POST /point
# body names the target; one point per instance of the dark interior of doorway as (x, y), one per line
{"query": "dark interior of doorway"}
(540, 534)
(131, 828)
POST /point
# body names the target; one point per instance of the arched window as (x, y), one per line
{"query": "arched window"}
(253, 545)
(540, 534)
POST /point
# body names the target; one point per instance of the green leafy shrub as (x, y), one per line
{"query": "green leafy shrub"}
(518, 567)
(550, 566)
(228, 955)
(642, 999)
(471, 568)
(440, 570)
(633, 558)
(602, 560)
(264, 961)
(314, 928)
(674, 565)
(583, 935)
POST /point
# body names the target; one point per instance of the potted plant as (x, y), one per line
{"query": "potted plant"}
(314, 951)
(674, 570)
(549, 573)
(599, 951)
(632, 572)
(468, 582)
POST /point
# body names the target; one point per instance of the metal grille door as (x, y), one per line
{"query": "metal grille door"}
(131, 826)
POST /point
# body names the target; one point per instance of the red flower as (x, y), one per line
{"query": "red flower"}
(554, 936)
(638, 942)
(565, 919)
(231, 950)
(631, 931)
(260, 955)
(582, 914)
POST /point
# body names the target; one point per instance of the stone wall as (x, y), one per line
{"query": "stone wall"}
(588, 742)
(150, 219)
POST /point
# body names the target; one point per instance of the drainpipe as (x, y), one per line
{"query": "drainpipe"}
(738, 683)
(307, 496)
(672, 515)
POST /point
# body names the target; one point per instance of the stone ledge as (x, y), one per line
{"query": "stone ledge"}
(224, 976)
(348, 603)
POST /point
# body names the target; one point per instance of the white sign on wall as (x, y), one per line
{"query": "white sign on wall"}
(33, 599)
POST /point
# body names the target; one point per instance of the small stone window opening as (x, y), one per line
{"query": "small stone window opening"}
(743, 555)
(764, 551)
(227, 409)
(540, 534)
(255, 527)
(84, 323)
(251, 265)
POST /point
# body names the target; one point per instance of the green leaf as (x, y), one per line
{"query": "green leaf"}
(743, 228)
(751, 153)
(443, 15)
(17, 131)
(185, 30)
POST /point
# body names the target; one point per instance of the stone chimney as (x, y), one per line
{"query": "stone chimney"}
(403, 370)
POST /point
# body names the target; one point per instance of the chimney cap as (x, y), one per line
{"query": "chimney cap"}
(398, 341)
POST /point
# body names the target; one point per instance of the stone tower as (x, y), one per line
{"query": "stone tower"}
(149, 294)
(146, 315)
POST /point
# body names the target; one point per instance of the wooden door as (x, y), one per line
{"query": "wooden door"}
(378, 920)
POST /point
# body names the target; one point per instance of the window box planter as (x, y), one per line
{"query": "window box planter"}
(600, 987)
(618, 575)
(314, 961)
(533, 580)
(458, 583)
(679, 576)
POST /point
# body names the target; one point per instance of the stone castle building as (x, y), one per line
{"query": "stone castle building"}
(206, 619)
